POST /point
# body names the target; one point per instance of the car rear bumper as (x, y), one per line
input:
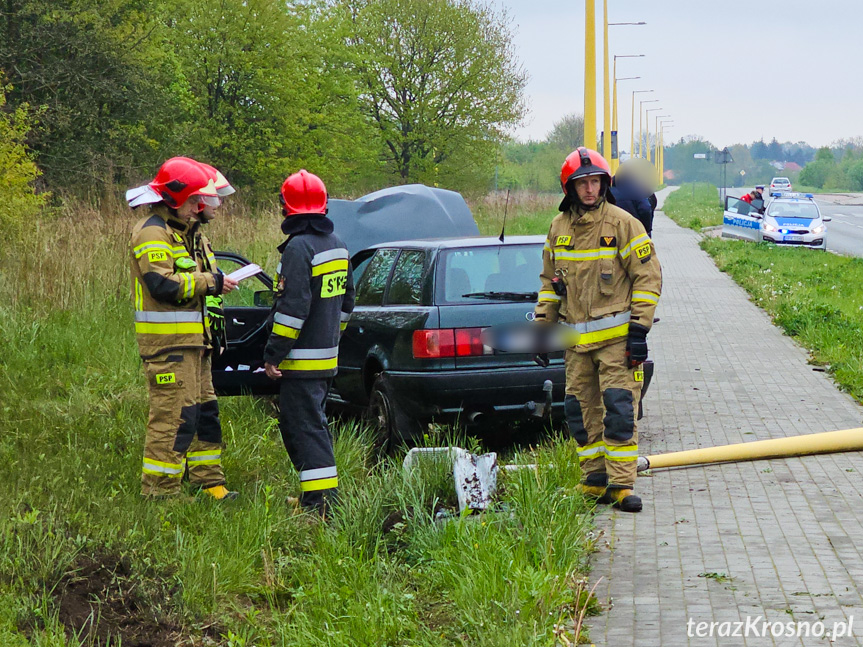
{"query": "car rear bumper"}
(473, 394)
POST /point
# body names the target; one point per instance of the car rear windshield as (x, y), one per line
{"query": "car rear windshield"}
(805, 210)
(496, 268)
(781, 180)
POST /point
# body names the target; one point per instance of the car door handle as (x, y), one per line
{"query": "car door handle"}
(237, 322)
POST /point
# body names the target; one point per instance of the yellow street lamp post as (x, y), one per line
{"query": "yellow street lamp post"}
(661, 164)
(615, 152)
(647, 129)
(609, 132)
(656, 141)
(590, 74)
(615, 159)
(632, 122)
(640, 128)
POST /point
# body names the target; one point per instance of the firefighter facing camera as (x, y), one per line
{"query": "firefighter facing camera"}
(602, 279)
(174, 276)
(314, 301)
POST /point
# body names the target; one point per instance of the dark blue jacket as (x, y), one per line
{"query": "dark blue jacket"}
(314, 300)
(629, 197)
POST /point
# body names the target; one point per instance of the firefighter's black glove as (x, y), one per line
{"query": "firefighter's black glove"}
(541, 359)
(636, 344)
(220, 281)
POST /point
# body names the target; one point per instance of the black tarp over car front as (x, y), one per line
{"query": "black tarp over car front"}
(401, 213)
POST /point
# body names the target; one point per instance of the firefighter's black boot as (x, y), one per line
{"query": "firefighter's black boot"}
(624, 499)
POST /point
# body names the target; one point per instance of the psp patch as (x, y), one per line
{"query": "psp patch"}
(165, 378)
(334, 284)
(157, 256)
(638, 374)
(643, 252)
(608, 241)
(562, 241)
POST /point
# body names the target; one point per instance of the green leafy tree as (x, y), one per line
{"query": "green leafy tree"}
(440, 81)
(268, 91)
(94, 68)
(18, 171)
(567, 134)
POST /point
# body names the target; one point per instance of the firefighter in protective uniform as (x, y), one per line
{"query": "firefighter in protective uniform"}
(314, 301)
(173, 272)
(602, 279)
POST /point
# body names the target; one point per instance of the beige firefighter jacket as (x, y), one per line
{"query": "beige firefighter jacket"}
(173, 270)
(609, 267)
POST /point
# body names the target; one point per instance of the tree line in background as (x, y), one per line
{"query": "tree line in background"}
(535, 165)
(366, 93)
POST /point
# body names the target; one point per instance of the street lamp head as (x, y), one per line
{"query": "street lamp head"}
(626, 78)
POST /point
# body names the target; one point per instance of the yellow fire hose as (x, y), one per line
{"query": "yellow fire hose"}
(826, 442)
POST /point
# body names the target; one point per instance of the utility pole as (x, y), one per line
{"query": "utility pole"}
(590, 74)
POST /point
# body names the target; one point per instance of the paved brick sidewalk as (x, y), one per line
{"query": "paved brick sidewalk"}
(780, 539)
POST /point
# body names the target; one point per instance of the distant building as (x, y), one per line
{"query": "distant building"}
(792, 167)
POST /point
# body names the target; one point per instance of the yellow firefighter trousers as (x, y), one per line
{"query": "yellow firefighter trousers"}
(601, 405)
(184, 430)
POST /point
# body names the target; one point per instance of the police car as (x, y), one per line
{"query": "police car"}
(788, 219)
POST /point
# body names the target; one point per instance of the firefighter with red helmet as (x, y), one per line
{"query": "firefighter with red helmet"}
(314, 300)
(602, 279)
(173, 272)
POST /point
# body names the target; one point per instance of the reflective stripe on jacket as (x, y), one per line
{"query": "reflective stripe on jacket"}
(314, 299)
(609, 267)
(172, 272)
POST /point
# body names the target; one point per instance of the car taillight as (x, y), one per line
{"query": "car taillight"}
(448, 342)
(430, 344)
(468, 342)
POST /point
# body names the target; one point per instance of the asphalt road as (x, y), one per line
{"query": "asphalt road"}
(845, 231)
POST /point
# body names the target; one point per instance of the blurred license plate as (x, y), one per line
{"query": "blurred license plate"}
(793, 238)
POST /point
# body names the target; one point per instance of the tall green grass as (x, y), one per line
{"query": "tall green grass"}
(384, 571)
(815, 297)
(526, 212)
(694, 205)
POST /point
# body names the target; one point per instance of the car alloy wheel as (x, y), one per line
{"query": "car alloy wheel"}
(393, 426)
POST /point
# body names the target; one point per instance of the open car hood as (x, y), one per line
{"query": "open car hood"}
(401, 213)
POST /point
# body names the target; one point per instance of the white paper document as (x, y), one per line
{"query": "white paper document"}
(245, 272)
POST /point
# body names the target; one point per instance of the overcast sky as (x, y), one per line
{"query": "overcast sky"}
(732, 71)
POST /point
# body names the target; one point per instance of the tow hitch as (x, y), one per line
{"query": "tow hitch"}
(543, 410)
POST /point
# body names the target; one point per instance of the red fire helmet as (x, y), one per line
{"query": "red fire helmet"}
(303, 193)
(180, 178)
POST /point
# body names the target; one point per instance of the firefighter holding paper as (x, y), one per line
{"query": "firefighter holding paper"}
(173, 272)
(314, 300)
(601, 278)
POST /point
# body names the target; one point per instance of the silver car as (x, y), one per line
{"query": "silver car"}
(779, 184)
(789, 219)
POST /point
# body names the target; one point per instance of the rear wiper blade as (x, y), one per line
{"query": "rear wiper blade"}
(502, 296)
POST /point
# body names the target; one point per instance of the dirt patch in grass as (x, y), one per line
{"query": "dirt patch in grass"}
(102, 604)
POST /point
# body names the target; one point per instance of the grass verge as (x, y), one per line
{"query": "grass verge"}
(694, 206)
(815, 297)
(84, 561)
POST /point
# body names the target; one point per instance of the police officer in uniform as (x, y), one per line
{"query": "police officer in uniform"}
(314, 301)
(173, 271)
(602, 278)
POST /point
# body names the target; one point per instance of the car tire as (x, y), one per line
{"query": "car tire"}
(393, 426)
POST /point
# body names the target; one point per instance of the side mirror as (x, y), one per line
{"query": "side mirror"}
(826, 218)
(265, 298)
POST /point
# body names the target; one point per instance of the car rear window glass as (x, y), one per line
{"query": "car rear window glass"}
(497, 268)
(370, 290)
(805, 210)
(781, 180)
(406, 287)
